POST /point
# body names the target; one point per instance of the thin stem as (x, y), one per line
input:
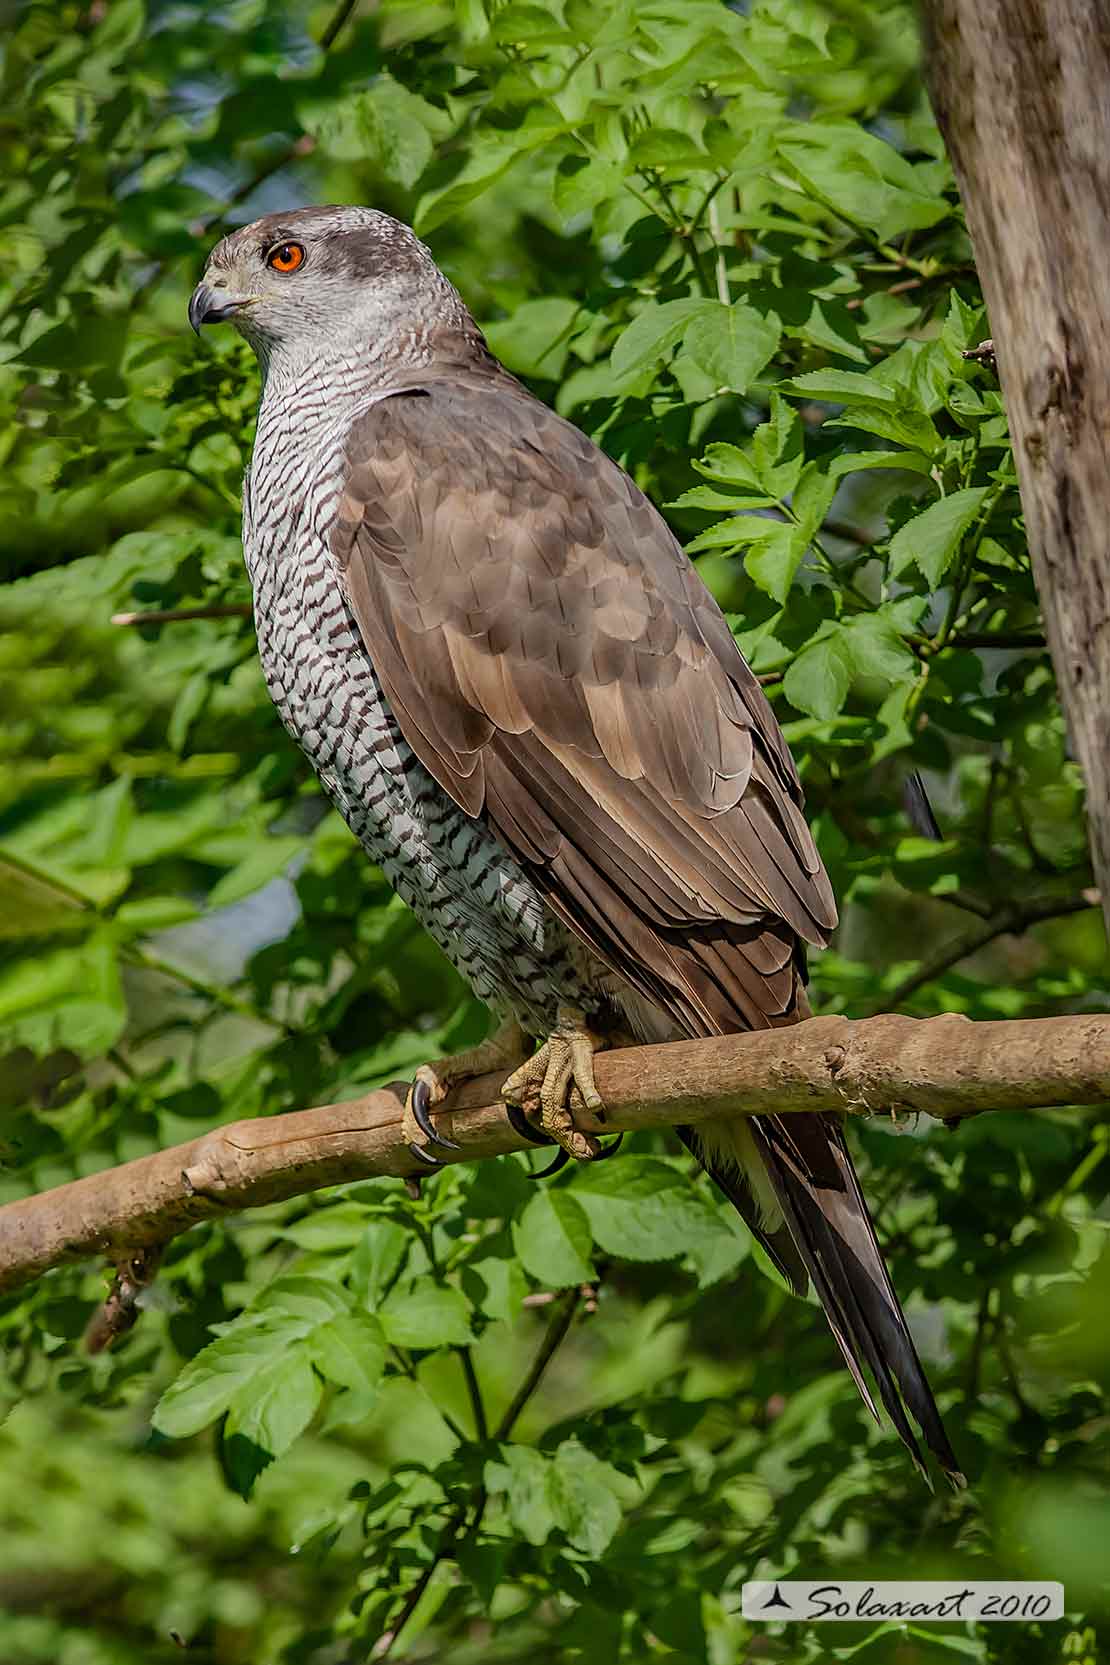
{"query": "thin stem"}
(975, 1359)
(997, 639)
(557, 1326)
(681, 229)
(176, 615)
(474, 1389)
(1009, 921)
(967, 560)
(218, 995)
(339, 18)
(707, 203)
(408, 1369)
(1078, 1177)
(718, 252)
(450, 1536)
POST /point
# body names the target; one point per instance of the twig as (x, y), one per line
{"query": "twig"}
(719, 254)
(327, 39)
(557, 1326)
(1010, 920)
(120, 1312)
(215, 992)
(997, 639)
(175, 615)
(975, 1357)
(473, 1388)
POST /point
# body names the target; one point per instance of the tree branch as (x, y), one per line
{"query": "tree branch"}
(945, 1066)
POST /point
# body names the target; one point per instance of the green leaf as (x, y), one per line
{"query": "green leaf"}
(653, 333)
(840, 336)
(643, 1209)
(819, 678)
(262, 1424)
(862, 177)
(728, 463)
(876, 648)
(773, 560)
(553, 1239)
(580, 184)
(208, 1384)
(911, 428)
(421, 1313)
(777, 448)
(775, 549)
(731, 344)
(811, 499)
(520, 1477)
(68, 996)
(378, 1259)
(492, 153)
(154, 913)
(259, 1371)
(111, 814)
(842, 387)
(932, 538)
(535, 341)
(301, 1299)
(349, 1351)
(582, 1500)
(705, 497)
(268, 860)
(502, 1287)
(853, 462)
(396, 124)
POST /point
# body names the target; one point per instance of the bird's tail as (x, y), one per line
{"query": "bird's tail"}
(792, 1180)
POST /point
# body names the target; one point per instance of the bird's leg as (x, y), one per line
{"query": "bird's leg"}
(432, 1082)
(559, 1075)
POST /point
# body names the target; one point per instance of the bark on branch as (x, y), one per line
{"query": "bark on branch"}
(945, 1066)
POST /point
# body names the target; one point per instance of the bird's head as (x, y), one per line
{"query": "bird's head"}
(348, 279)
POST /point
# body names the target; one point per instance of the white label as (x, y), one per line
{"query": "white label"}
(924, 1602)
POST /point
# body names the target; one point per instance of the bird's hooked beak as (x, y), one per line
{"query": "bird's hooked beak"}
(213, 304)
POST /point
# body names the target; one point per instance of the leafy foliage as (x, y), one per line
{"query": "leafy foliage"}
(571, 1420)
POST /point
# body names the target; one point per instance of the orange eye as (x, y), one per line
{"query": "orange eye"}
(286, 257)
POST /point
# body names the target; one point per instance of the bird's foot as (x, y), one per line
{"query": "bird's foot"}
(432, 1082)
(558, 1079)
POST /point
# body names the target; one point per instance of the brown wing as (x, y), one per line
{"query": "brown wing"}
(560, 669)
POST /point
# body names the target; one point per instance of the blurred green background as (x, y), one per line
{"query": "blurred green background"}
(726, 242)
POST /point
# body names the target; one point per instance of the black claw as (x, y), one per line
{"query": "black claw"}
(610, 1150)
(519, 1122)
(553, 1166)
(425, 1156)
(421, 1110)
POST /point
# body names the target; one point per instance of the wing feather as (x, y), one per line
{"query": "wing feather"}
(558, 667)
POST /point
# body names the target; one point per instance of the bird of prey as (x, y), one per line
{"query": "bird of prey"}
(535, 719)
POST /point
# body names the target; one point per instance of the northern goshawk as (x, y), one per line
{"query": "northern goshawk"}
(535, 719)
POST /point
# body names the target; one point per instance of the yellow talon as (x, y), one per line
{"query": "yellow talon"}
(560, 1074)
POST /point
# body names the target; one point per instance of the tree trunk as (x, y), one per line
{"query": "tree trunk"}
(1021, 91)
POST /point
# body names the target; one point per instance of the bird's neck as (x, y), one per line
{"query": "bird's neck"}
(339, 373)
